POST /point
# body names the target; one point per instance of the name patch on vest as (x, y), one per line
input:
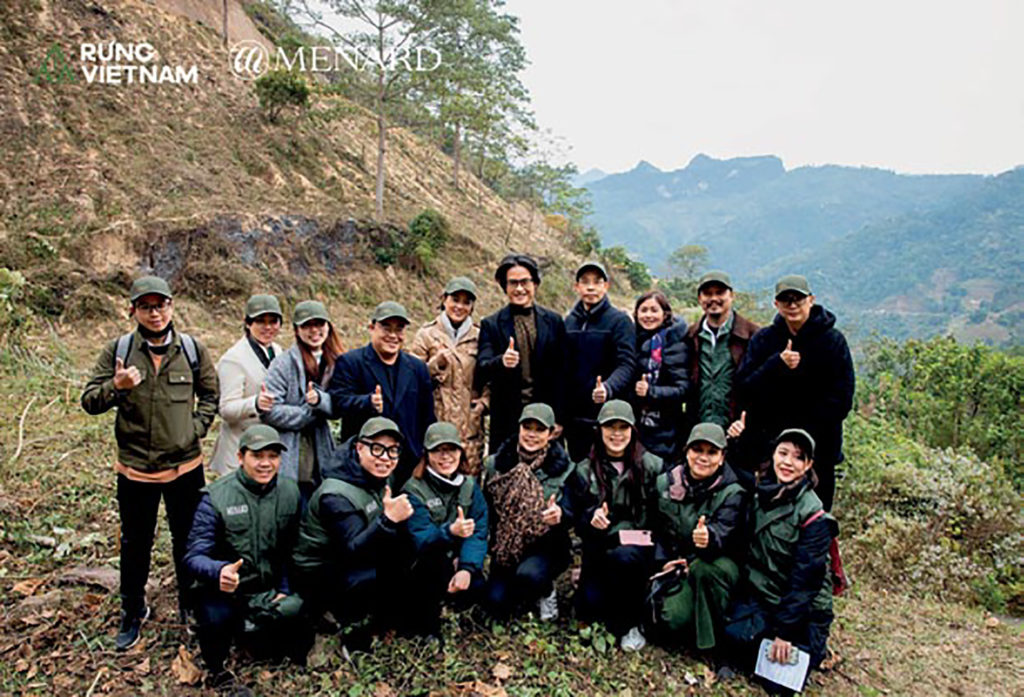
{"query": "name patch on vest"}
(435, 503)
(371, 507)
(237, 510)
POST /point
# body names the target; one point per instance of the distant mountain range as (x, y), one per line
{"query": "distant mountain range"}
(908, 255)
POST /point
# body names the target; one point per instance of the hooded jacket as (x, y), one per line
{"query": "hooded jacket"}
(660, 414)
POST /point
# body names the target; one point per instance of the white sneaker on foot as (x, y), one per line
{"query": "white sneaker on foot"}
(548, 607)
(633, 640)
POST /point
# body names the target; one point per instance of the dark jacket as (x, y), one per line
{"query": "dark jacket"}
(816, 396)
(659, 415)
(238, 518)
(547, 364)
(161, 421)
(410, 404)
(601, 342)
(628, 507)
(425, 533)
(739, 338)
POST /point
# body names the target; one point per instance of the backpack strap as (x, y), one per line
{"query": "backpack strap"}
(124, 347)
(188, 345)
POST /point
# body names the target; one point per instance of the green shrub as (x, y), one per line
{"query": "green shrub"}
(278, 89)
(416, 248)
(13, 311)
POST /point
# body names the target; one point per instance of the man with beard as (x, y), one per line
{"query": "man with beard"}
(165, 389)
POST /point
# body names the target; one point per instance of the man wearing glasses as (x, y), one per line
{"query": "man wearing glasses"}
(380, 379)
(522, 351)
(352, 553)
(797, 373)
(164, 387)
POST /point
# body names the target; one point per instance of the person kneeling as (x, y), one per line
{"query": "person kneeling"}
(352, 550)
(238, 552)
(788, 596)
(448, 528)
(698, 520)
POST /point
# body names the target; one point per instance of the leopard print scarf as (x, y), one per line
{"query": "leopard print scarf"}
(519, 498)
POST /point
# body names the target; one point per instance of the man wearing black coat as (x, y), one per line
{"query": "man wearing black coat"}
(522, 351)
(380, 379)
(601, 354)
(798, 373)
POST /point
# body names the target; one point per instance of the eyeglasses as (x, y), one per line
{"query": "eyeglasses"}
(520, 282)
(791, 300)
(377, 450)
(157, 307)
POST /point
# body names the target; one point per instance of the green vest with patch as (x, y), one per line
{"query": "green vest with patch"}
(254, 526)
(312, 553)
(770, 557)
(442, 505)
(676, 520)
(620, 510)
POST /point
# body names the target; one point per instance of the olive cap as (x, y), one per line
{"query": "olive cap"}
(616, 410)
(389, 309)
(260, 436)
(538, 411)
(262, 305)
(379, 425)
(441, 433)
(707, 432)
(714, 276)
(147, 285)
(799, 436)
(460, 283)
(309, 310)
(793, 282)
(591, 266)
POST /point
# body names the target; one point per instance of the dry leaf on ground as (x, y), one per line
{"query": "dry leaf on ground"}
(184, 669)
(501, 671)
(28, 586)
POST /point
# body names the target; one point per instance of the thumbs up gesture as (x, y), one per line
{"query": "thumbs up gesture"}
(600, 394)
(736, 428)
(398, 508)
(510, 359)
(552, 513)
(462, 527)
(312, 396)
(790, 357)
(643, 386)
(264, 400)
(377, 399)
(125, 378)
(229, 576)
(600, 518)
(701, 536)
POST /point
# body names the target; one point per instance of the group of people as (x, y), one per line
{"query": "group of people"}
(695, 465)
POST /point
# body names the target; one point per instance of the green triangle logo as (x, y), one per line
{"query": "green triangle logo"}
(55, 67)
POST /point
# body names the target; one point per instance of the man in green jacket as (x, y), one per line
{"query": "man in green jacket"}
(164, 387)
(239, 552)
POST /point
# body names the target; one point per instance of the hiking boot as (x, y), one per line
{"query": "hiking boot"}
(131, 624)
(547, 607)
(633, 640)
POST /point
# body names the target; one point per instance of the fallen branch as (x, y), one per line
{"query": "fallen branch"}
(99, 673)
(21, 430)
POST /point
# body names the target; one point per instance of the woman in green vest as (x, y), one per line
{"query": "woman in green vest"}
(524, 483)
(611, 491)
(448, 528)
(788, 590)
(698, 525)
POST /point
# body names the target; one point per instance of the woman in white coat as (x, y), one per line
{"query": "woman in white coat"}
(242, 371)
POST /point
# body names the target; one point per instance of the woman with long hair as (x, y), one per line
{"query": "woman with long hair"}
(297, 383)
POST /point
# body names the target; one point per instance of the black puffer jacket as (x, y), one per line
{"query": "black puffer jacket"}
(660, 414)
(816, 396)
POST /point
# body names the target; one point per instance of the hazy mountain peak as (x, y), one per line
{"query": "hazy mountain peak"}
(643, 166)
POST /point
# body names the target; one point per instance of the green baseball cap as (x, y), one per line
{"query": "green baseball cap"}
(460, 283)
(309, 310)
(800, 437)
(440, 433)
(379, 425)
(540, 412)
(591, 266)
(262, 305)
(147, 285)
(714, 276)
(616, 410)
(793, 282)
(707, 432)
(389, 309)
(260, 436)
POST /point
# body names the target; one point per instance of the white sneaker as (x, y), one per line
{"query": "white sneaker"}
(548, 607)
(633, 640)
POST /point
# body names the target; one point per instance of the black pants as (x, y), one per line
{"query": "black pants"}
(430, 577)
(826, 489)
(222, 618)
(749, 621)
(612, 586)
(138, 504)
(509, 589)
(355, 595)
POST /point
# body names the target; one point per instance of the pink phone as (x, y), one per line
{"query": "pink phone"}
(641, 538)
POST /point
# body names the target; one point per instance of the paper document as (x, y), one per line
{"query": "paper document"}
(791, 675)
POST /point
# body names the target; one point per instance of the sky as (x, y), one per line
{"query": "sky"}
(916, 86)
